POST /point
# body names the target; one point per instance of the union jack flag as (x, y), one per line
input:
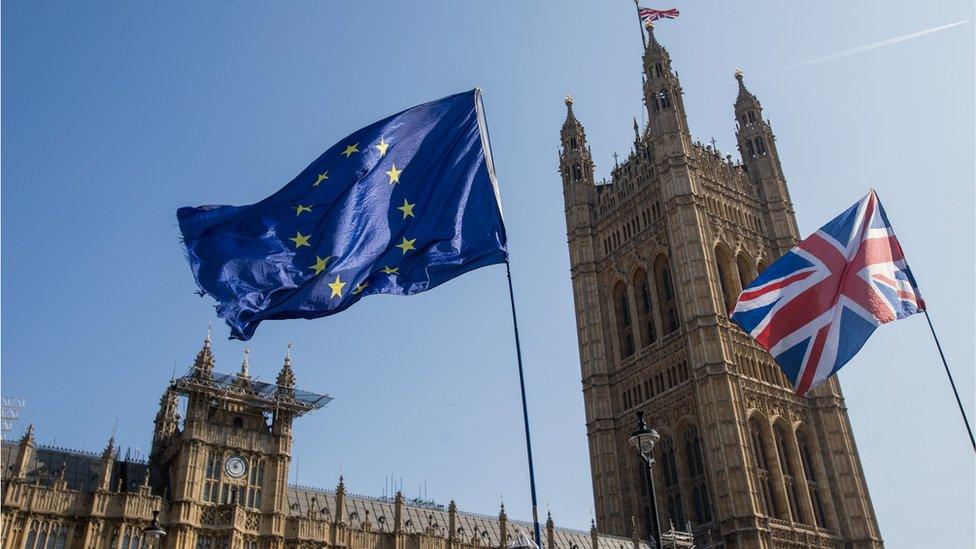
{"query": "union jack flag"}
(816, 306)
(649, 15)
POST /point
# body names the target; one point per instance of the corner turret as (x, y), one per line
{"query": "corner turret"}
(757, 145)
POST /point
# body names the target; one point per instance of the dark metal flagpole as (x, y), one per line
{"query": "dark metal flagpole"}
(640, 24)
(962, 410)
(525, 413)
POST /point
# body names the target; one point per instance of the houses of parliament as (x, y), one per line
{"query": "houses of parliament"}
(658, 255)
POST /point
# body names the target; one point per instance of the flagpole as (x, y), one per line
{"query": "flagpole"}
(962, 410)
(640, 24)
(525, 413)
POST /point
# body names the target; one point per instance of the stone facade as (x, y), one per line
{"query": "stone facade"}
(218, 477)
(658, 256)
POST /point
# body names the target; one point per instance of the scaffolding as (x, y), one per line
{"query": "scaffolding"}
(251, 392)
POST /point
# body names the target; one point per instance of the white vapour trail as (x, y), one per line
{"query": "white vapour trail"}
(866, 47)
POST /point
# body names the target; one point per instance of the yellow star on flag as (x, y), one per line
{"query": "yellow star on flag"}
(350, 149)
(300, 239)
(299, 209)
(391, 271)
(336, 287)
(322, 177)
(383, 145)
(406, 245)
(360, 287)
(407, 209)
(320, 264)
(394, 174)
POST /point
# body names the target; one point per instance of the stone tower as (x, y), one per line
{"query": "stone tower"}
(228, 465)
(658, 255)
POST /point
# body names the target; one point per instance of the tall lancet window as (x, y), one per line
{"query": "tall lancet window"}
(813, 482)
(695, 467)
(766, 502)
(645, 308)
(625, 330)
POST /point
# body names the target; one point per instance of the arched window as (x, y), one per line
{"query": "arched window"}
(645, 308)
(789, 479)
(573, 144)
(667, 301)
(695, 467)
(752, 117)
(625, 330)
(577, 172)
(664, 99)
(726, 276)
(750, 149)
(744, 267)
(813, 482)
(658, 69)
(760, 146)
(672, 489)
(766, 501)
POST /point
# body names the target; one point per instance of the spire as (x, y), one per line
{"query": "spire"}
(28, 438)
(286, 377)
(203, 364)
(246, 365)
(744, 94)
(109, 451)
(652, 44)
(571, 122)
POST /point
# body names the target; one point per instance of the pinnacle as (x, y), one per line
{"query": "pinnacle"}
(286, 377)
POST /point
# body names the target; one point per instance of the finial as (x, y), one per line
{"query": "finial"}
(206, 342)
(739, 74)
(569, 100)
(288, 353)
(29, 434)
(246, 364)
(145, 479)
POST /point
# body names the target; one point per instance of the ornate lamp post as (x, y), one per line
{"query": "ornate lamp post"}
(154, 532)
(644, 440)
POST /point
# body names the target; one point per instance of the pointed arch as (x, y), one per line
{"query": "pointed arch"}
(744, 267)
(726, 276)
(666, 296)
(624, 323)
(695, 467)
(784, 451)
(645, 307)
(669, 473)
(812, 476)
(762, 473)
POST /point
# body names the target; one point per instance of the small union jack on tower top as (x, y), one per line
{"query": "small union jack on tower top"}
(816, 306)
(650, 15)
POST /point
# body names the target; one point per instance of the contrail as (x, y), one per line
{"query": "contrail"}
(866, 47)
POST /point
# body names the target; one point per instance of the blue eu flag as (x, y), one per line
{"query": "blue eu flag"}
(398, 207)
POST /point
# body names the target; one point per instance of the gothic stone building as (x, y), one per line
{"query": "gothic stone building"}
(218, 478)
(658, 256)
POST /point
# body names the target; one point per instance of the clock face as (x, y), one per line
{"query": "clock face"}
(235, 466)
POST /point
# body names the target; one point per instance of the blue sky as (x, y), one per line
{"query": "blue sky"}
(114, 115)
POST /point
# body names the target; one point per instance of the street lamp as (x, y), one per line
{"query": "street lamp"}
(644, 440)
(154, 532)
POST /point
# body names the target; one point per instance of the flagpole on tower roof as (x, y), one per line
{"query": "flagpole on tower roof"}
(640, 23)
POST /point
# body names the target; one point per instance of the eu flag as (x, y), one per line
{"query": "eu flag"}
(398, 207)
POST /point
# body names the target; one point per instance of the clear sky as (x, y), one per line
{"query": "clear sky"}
(115, 114)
